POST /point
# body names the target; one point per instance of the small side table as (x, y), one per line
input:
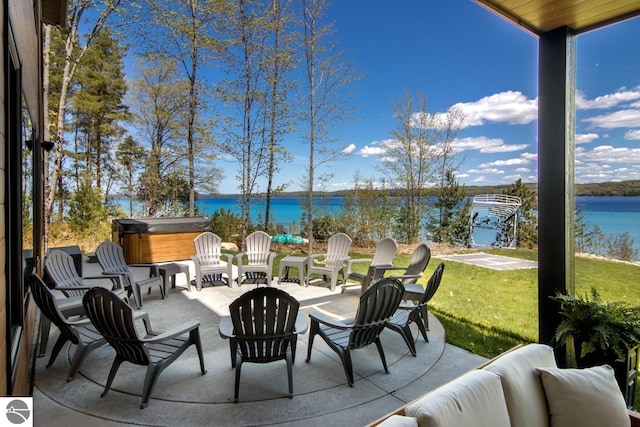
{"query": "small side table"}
(299, 262)
(170, 270)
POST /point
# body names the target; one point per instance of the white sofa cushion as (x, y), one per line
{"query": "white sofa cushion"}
(474, 399)
(399, 421)
(584, 397)
(523, 391)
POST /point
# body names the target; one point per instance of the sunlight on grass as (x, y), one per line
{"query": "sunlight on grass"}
(489, 311)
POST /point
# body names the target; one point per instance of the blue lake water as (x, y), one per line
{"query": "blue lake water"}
(614, 215)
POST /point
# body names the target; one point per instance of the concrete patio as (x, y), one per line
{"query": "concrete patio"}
(184, 397)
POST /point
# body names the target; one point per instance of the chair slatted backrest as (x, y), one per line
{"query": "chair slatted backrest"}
(46, 302)
(114, 319)
(419, 261)
(62, 270)
(258, 245)
(338, 247)
(377, 305)
(433, 284)
(111, 258)
(208, 248)
(385, 252)
(264, 322)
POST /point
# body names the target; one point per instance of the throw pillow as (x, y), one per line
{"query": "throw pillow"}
(584, 397)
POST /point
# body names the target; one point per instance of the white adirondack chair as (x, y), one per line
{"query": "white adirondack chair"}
(207, 259)
(338, 247)
(257, 258)
(383, 257)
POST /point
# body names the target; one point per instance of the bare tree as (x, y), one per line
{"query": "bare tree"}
(243, 93)
(329, 76)
(279, 61)
(160, 105)
(185, 25)
(418, 156)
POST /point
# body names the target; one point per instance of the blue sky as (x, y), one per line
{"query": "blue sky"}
(457, 52)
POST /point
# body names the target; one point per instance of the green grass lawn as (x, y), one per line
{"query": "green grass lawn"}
(489, 311)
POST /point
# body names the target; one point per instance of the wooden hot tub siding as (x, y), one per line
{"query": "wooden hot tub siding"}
(158, 239)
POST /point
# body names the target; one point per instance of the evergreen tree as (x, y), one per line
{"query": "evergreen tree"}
(445, 225)
(527, 234)
(86, 208)
(98, 104)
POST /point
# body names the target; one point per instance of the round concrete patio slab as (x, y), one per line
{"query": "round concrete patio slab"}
(182, 396)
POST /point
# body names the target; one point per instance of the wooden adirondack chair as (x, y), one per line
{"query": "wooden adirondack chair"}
(375, 309)
(337, 254)
(259, 259)
(207, 259)
(383, 257)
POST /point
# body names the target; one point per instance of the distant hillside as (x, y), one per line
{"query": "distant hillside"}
(622, 188)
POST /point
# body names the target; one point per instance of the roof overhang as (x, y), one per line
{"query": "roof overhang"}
(54, 12)
(542, 16)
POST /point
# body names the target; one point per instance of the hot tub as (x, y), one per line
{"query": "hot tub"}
(147, 240)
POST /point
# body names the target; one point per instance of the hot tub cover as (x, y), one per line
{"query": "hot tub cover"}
(161, 225)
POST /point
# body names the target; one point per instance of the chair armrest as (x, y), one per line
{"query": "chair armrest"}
(301, 324)
(329, 321)
(139, 314)
(356, 260)
(85, 321)
(634, 417)
(114, 273)
(385, 268)
(229, 257)
(408, 306)
(314, 256)
(153, 268)
(173, 333)
(406, 276)
(116, 278)
(225, 329)
(72, 288)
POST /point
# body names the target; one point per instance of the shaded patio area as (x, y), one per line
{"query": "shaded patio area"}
(184, 397)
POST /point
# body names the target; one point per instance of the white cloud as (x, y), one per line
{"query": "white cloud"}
(523, 170)
(633, 135)
(584, 138)
(620, 119)
(349, 149)
(606, 101)
(505, 107)
(605, 154)
(371, 151)
(487, 145)
(509, 162)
